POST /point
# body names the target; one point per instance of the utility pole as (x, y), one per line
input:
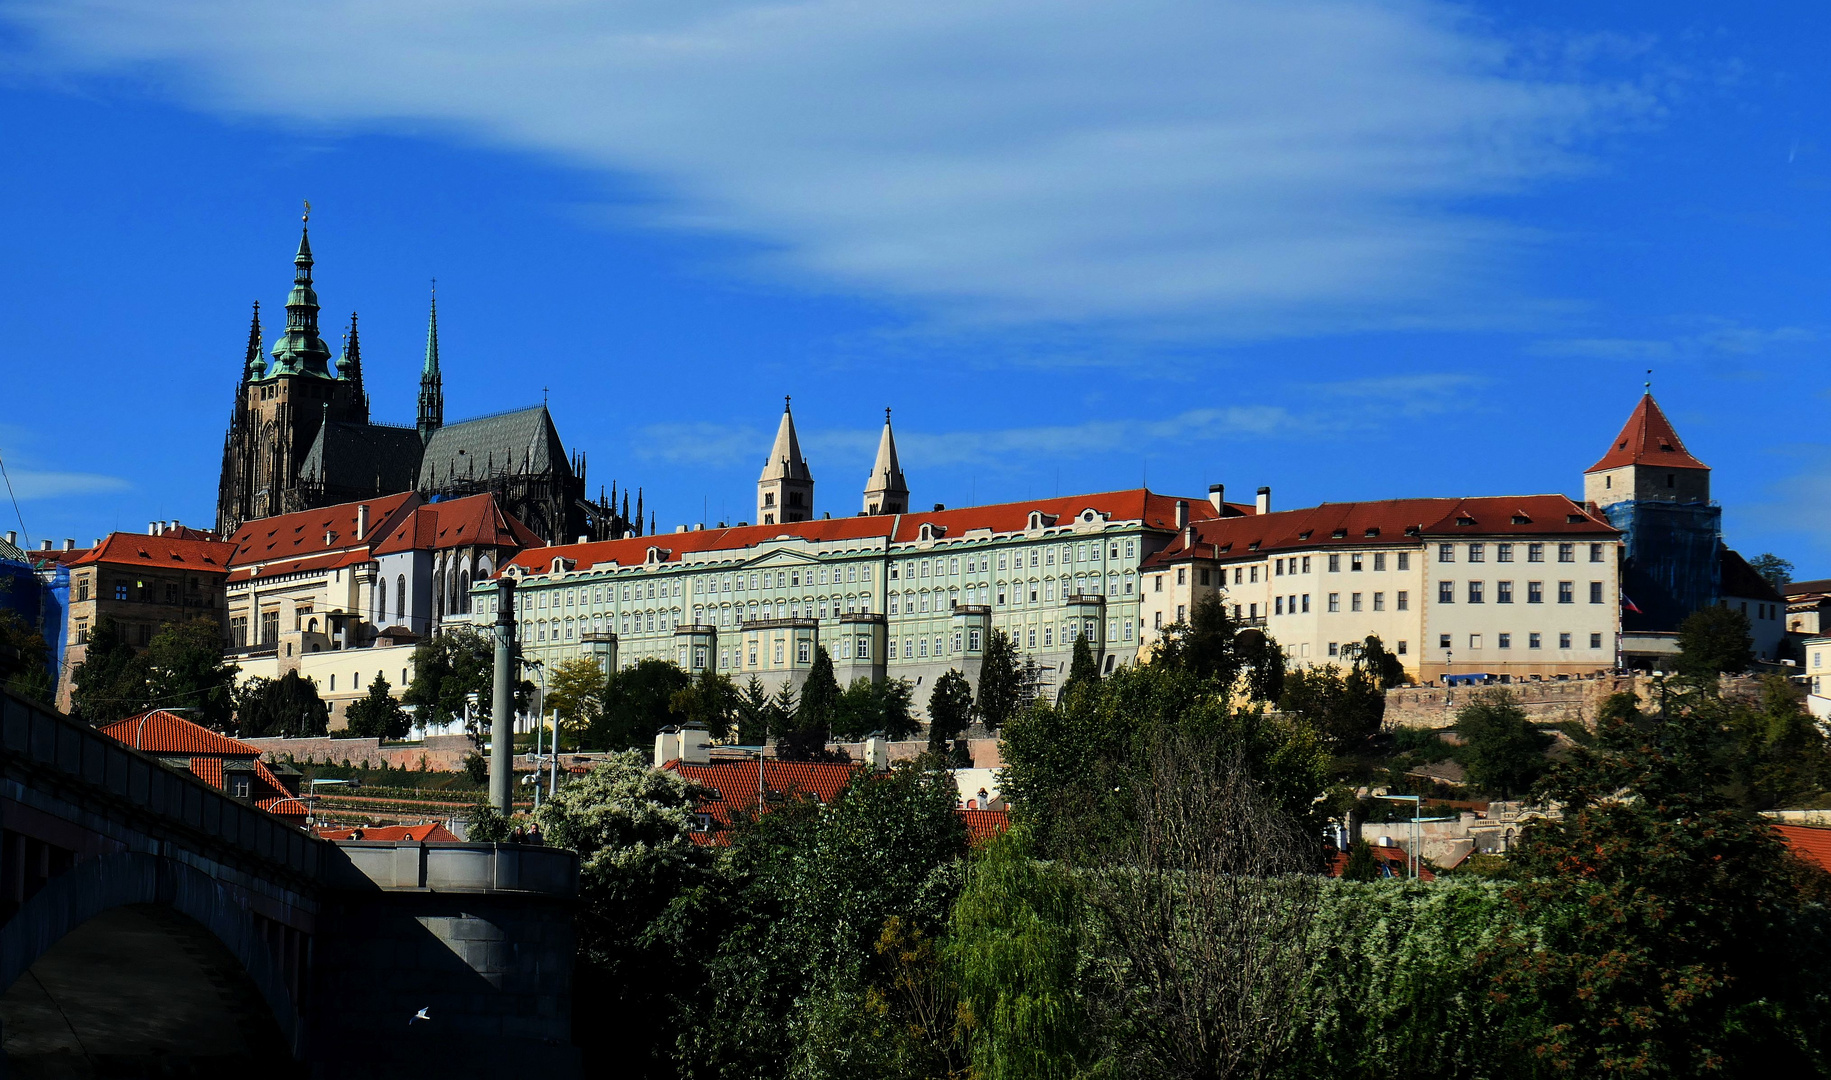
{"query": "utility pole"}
(502, 702)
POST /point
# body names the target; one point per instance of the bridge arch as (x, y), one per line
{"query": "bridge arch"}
(142, 937)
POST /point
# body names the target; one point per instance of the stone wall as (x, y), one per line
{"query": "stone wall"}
(1544, 702)
(438, 753)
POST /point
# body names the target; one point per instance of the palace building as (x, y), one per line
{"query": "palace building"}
(300, 437)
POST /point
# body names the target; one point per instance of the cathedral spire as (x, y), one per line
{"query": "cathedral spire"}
(349, 369)
(785, 490)
(302, 351)
(885, 490)
(432, 384)
(253, 366)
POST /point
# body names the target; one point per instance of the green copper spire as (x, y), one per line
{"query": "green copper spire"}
(432, 384)
(302, 351)
(253, 366)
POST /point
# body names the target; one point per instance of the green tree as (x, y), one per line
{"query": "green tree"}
(1672, 933)
(1778, 754)
(288, 706)
(950, 712)
(1502, 750)
(1383, 668)
(804, 736)
(711, 701)
(1001, 681)
(24, 658)
(1713, 641)
(575, 695)
(378, 715)
(1361, 865)
(1347, 707)
(451, 671)
(111, 682)
(638, 703)
(884, 707)
(641, 886)
(1084, 668)
(487, 825)
(1775, 570)
(185, 668)
(753, 713)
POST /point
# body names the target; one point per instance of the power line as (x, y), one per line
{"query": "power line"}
(23, 532)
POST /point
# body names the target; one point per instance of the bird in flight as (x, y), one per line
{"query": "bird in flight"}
(421, 1015)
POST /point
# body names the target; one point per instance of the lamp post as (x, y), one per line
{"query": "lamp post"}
(502, 703)
(540, 668)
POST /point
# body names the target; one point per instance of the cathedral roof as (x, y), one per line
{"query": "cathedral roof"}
(785, 460)
(355, 455)
(523, 441)
(1648, 438)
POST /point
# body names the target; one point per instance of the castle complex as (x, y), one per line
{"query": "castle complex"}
(300, 438)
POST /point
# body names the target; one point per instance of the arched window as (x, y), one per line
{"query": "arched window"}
(381, 604)
(464, 591)
(400, 596)
(438, 593)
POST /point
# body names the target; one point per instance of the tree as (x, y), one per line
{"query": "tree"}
(24, 658)
(1345, 707)
(638, 703)
(575, 694)
(1361, 864)
(711, 701)
(378, 715)
(112, 681)
(950, 711)
(1213, 646)
(804, 736)
(1713, 641)
(1084, 668)
(1001, 681)
(1502, 750)
(1775, 570)
(185, 668)
(883, 708)
(288, 706)
(453, 671)
(753, 713)
(1385, 669)
(1778, 755)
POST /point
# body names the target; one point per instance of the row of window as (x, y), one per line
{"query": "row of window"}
(1534, 640)
(1503, 592)
(1478, 552)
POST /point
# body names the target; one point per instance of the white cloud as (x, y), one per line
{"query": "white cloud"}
(30, 484)
(1717, 339)
(1232, 166)
(700, 444)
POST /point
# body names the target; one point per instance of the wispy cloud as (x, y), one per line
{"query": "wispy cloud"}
(1238, 166)
(33, 484)
(1717, 340)
(701, 444)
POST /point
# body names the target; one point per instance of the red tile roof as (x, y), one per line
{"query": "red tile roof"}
(169, 551)
(287, 807)
(1810, 844)
(735, 784)
(1155, 510)
(1648, 438)
(56, 556)
(475, 519)
(161, 732)
(303, 533)
(429, 833)
(1397, 863)
(331, 560)
(1362, 524)
(983, 825)
(209, 770)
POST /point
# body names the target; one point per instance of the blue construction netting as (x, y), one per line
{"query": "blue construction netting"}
(1671, 567)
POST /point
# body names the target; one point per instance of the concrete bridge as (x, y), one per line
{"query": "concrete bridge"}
(151, 924)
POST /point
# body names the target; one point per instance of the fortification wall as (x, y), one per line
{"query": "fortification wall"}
(438, 753)
(1544, 702)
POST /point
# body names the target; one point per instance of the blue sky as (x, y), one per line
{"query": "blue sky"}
(1347, 249)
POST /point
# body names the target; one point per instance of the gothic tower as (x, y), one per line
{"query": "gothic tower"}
(885, 491)
(432, 384)
(1651, 488)
(785, 491)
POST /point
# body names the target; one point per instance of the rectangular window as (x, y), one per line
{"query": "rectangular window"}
(1379, 561)
(1446, 592)
(1503, 552)
(1354, 601)
(1478, 552)
(1182, 575)
(1354, 563)
(1334, 648)
(1205, 576)
(1535, 592)
(1504, 641)
(1595, 592)
(1567, 553)
(1278, 605)
(972, 640)
(1474, 592)
(1405, 560)
(1563, 641)
(802, 649)
(1239, 575)
(1277, 568)
(1335, 564)
(1446, 553)
(1567, 592)
(1182, 612)
(1157, 582)
(1443, 641)
(1595, 641)
(1535, 552)
(1474, 641)
(1595, 553)
(1156, 621)
(1402, 600)
(1379, 601)
(1533, 641)
(1503, 592)
(1306, 564)
(1306, 603)
(1401, 649)
(1334, 601)
(1252, 574)
(1128, 627)
(120, 590)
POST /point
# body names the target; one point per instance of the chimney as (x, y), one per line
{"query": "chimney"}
(1217, 496)
(940, 506)
(362, 521)
(12, 538)
(175, 525)
(152, 528)
(47, 545)
(583, 539)
(680, 528)
(695, 745)
(1264, 502)
(667, 746)
(1182, 512)
(1188, 536)
(877, 752)
(70, 545)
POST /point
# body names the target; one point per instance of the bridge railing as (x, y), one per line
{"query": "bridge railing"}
(135, 781)
(366, 865)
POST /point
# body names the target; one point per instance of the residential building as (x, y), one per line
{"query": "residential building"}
(1520, 587)
(226, 764)
(340, 594)
(1740, 588)
(142, 581)
(1816, 673)
(300, 437)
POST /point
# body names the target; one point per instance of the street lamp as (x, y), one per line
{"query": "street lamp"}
(1412, 861)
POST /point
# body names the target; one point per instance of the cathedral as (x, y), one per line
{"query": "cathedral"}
(300, 437)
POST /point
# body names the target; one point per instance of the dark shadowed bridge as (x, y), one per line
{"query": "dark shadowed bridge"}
(151, 924)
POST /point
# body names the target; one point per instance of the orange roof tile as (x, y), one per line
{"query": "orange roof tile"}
(169, 551)
(429, 833)
(1153, 509)
(303, 533)
(983, 825)
(1648, 438)
(161, 732)
(1361, 524)
(1810, 844)
(285, 807)
(475, 519)
(1397, 863)
(209, 770)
